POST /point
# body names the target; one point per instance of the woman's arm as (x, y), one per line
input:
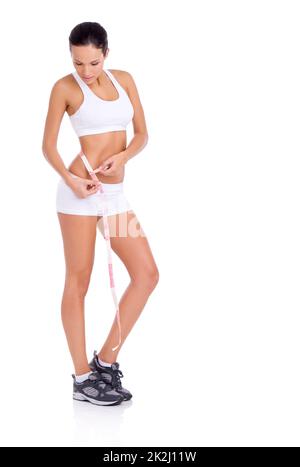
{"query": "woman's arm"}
(56, 109)
(140, 138)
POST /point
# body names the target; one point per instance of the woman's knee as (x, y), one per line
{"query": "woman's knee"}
(77, 282)
(148, 277)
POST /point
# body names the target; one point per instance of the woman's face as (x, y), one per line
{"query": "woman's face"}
(88, 61)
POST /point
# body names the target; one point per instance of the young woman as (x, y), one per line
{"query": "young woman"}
(100, 104)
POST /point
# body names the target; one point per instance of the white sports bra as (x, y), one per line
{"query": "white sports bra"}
(96, 115)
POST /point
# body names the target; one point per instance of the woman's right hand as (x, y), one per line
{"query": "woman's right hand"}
(83, 187)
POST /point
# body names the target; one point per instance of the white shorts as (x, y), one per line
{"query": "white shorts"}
(68, 202)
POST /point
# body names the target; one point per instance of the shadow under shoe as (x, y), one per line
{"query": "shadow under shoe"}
(96, 390)
(110, 375)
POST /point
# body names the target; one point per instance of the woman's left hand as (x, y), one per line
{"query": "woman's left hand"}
(112, 165)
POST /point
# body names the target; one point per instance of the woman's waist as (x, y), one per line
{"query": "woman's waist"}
(95, 159)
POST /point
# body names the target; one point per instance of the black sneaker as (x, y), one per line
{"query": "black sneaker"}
(110, 375)
(96, 391)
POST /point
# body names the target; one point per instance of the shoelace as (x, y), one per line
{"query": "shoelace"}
(116, 378)
(107, 238)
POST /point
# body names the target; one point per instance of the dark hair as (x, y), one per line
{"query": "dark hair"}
(89, 33)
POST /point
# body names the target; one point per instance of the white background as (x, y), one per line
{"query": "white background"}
(214, 357)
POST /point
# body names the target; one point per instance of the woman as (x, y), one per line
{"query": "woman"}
(100, 104)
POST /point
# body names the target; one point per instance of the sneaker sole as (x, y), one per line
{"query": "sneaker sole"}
(81, 397)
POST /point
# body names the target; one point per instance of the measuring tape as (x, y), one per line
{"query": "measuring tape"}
(107, 238)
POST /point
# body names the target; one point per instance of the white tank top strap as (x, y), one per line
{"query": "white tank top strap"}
(115, 82)
(84, 87)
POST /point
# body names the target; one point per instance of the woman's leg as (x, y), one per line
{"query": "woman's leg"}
(79, 234)
(134, 251)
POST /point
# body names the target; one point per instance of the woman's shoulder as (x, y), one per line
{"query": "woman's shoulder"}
(65, 80)
(63, 92)
(65, 86)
